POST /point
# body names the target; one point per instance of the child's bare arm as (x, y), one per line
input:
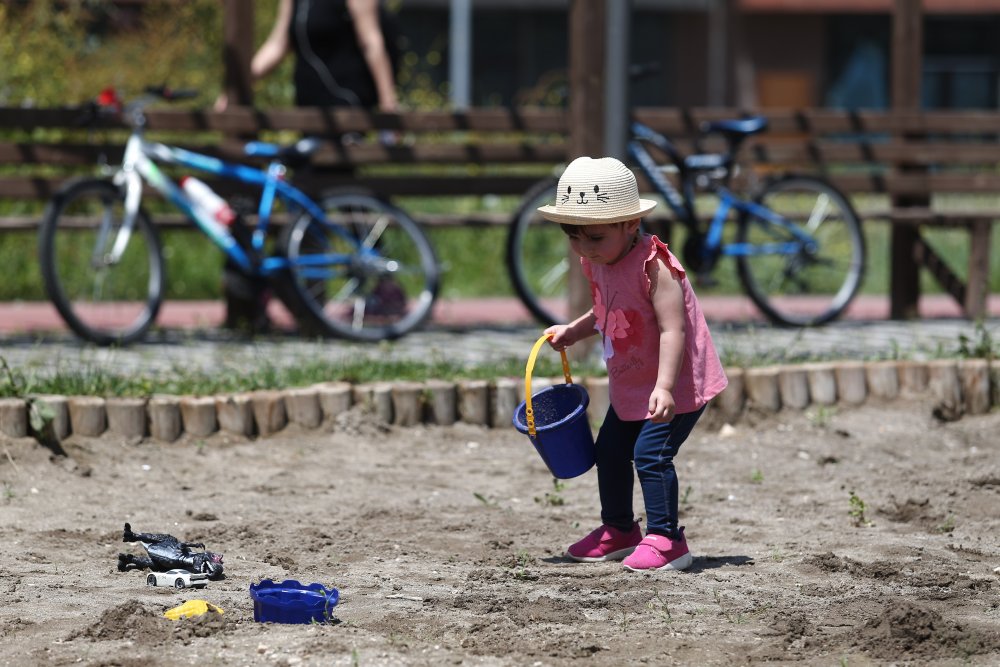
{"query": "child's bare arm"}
(564, 335)
(668, 304)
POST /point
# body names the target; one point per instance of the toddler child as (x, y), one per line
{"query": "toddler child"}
(662, 365)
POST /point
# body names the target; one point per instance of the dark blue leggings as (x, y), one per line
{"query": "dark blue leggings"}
(653, 447)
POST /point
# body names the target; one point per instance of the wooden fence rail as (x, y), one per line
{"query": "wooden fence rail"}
(901, 154)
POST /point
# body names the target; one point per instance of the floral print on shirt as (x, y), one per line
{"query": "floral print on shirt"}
(619, 328)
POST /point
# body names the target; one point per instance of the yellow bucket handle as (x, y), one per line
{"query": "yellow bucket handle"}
(528, 412)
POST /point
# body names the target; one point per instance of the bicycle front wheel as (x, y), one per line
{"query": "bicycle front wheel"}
(808, 276)
(106, 294)
(538, 256)
(369, 273)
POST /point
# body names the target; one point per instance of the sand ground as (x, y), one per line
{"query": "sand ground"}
(446, 546)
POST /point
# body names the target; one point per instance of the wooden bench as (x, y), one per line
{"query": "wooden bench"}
(910, 158)
(914, 159)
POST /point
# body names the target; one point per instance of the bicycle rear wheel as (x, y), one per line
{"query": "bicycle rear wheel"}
(104, 299)
(367, 274)
(793, 282)
(538, 256)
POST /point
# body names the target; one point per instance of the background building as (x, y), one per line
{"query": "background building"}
(748, 53)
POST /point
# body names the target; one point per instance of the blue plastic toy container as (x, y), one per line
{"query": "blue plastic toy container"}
(292, 602)
(555, 420)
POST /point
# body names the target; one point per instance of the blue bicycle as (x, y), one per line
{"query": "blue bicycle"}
(347, 264)
(798, 243)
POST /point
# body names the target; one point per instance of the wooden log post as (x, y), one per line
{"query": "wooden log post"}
(883, 379)
(237, 50)
(793, 383)
(58, 406)
(763, 392)
(198, 415)
(975, 377)
(945, 387)
(303, 408)
(822, 383)
(503, 402)
(235, 414)
(442, 403)
(269, 414)
(731, 401)
(127, 417)
(587, 50)
(474, 402)
(407, 403)
(913, 377)
(13, 417)
(852, 387)
(978, 283)
(907, 71)
(165, 423)
(334, 398)
(87, 415)
(382, 402)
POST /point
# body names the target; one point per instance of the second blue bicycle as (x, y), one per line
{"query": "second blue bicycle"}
(797, 242)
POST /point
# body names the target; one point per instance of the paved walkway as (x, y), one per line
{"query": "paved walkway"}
(33, 339)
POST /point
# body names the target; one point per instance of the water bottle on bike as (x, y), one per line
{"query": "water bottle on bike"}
(211, 211)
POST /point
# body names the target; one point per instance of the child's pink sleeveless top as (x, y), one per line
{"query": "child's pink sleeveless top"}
(627, 323)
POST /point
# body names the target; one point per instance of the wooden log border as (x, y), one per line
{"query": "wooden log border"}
(958, 386)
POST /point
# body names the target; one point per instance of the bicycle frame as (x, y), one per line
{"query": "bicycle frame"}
(140, 164)
(683, 205)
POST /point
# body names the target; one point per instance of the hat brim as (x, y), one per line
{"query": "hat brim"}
(552, 213)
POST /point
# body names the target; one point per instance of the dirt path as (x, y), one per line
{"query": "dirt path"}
(446, 543)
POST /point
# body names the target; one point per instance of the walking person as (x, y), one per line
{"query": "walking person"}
(345, 53)
(662, 364)
(345, 56)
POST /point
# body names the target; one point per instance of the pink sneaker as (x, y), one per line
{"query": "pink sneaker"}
(657, 552)
(605, 543)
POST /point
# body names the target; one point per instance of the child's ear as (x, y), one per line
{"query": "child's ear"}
(632, 226)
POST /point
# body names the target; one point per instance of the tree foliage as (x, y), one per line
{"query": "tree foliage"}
(63, 52)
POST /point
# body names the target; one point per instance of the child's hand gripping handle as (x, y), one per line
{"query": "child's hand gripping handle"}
(529, 414)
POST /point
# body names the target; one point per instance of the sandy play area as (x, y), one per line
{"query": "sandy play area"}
(446, 546)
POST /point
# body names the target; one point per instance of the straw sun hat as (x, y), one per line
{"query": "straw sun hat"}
(596, 192)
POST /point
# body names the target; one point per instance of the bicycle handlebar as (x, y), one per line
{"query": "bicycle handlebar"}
(108, 103)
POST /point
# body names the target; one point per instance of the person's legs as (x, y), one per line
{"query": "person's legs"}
(655, 449)
(618, 534)
(614, 447)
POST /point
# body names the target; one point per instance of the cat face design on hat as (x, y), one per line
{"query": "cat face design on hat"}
(596, 191)
(582, 196)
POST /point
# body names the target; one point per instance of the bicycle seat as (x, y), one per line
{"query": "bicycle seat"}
(736, 127)
(297, 152)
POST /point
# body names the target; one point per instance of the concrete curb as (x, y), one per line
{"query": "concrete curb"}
(955, 387)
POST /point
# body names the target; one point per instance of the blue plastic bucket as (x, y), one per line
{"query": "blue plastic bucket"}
(292, 602)
(555, 420)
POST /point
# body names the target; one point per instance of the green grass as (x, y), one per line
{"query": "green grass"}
(472, 258)
(23, 382)
(96, 381)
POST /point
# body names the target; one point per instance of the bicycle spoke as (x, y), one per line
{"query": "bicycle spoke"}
(555, 275)
(818, 213)
(387, 281)
(376, 232)
(807, 278)
(358, 320)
